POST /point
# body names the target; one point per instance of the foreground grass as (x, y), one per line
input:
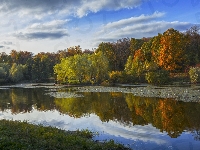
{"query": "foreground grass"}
(21, 135)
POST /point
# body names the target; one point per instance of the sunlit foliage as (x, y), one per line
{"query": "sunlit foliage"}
(83, 69)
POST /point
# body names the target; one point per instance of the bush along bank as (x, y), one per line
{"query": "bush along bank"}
(21, 135)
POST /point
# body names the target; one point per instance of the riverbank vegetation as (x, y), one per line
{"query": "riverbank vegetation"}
(172, 56)
(21, 135)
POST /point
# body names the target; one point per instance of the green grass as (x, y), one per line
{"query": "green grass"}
(21, 135)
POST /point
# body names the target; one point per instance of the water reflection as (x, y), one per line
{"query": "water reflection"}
(167, 115)
(108, 106)
(20, 100)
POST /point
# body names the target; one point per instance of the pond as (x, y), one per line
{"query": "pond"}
(140, 122)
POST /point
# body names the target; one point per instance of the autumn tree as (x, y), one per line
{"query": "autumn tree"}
(62, 69)
(40, 67)
(4, 58)
(20, 57)
(74, 50)
(135, 64)
(193, 47)
(108, 50)
(82, 68)
(155, 48)
(122, 51)
(135, 44)
(172, 56)
(62, 54)
(87, 51)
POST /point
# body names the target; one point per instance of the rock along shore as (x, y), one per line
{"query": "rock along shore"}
(186, 94)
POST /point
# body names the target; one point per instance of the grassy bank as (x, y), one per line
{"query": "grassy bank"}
(21, 135)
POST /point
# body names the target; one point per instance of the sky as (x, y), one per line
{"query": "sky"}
(52, 25)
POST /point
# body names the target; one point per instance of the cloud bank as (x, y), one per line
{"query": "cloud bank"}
(36, 20)
(76, 7)
(49, 30)
(137, 27)
(46, 19)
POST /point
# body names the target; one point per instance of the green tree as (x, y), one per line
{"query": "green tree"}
(42, 66)
(99, 67)
(2, 74)
(17, 72)
(158, 77)
(82, 68)
(193, 47)
(135, 65)
(108, 50)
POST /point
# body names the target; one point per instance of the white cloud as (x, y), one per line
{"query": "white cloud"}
(137, 27)
(144, 133)
(147, 29)
(133, 20)
(24, 17)
(7, 42)
(49, 30)
(52, 25)
(96, 5)
(79, 8)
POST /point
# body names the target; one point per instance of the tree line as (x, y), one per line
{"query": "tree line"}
(25, 66)
(151, 60)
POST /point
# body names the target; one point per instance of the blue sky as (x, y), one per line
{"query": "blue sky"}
(51, 25)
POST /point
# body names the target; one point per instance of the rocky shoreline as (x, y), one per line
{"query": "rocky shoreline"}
(186, 94)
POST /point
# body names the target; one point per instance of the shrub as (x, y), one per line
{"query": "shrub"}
(39, 137)
(121, 77)
(105, 83)
(115, 77)
(194, 73)
(158, 77)
(17, 72)
(71, 81)
(2, 73)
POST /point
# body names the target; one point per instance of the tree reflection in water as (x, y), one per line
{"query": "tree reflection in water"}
(196, 134)
(20, 100)
(168, 115)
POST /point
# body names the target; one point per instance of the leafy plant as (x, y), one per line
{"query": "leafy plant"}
(21, 135)
(194, 73)
(158, 77)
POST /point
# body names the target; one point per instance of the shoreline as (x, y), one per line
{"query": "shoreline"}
(188, 93)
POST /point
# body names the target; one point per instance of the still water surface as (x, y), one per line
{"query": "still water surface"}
(141, 123)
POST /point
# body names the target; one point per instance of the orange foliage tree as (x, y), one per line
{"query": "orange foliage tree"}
(172, 54)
